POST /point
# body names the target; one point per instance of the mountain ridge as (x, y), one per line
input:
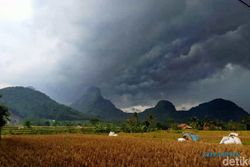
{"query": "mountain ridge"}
(29, 103)
(26, 103)
(217, 109)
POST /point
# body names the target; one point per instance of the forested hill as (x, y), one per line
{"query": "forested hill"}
(26, 103)
(217, 109)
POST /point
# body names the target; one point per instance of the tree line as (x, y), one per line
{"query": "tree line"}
(4, 117)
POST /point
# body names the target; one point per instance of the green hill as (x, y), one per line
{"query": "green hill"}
(27, 103)
(218, 109)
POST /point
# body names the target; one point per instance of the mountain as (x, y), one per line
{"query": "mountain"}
(224, 110)
(163, 110)
(218, 109)
(94, 104)
(27, 103)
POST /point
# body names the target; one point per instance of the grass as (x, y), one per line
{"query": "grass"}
(10, 130)
(141, 149)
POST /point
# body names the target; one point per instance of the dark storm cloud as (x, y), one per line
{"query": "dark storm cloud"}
(138, 51)
(191, 45)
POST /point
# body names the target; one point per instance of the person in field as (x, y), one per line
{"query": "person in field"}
(188, 137)
(232, 138)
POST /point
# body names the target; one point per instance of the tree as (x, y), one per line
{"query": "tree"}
(134, 120)
(47, 123)
(4, 117)
(133, 125)
(196, 123)
(150, 122)
(171, 123)
(136, 117)
(246, 122)
(94, 121)
(27, 124)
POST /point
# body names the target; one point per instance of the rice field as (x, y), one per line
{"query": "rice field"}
(139, 150)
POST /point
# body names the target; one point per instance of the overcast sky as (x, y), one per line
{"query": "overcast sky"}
(137, 52)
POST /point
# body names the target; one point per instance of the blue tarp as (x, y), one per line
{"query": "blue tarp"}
(195, 137)
(192, 136)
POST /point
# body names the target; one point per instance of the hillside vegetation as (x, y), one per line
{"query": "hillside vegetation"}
(27, 103)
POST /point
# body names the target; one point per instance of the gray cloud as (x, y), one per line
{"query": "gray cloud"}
(137, 52)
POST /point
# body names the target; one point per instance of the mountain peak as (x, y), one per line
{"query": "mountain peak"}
(93, 103)
(220, 103)
(93, 92)
(165, 104)
(161, 111)
(220, 100)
